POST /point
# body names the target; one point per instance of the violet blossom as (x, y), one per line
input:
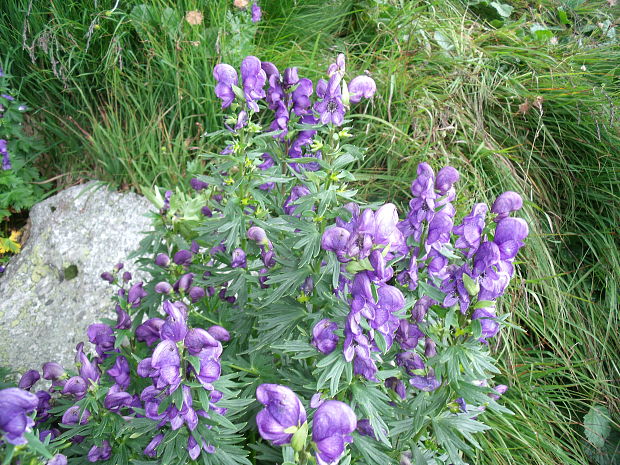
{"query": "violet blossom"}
(283, 410)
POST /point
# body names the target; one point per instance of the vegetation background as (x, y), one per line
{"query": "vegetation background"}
(516, 94)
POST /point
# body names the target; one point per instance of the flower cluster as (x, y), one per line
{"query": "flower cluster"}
(284, 418)
(469, 263)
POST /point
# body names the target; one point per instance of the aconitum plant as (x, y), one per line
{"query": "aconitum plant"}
(285, 321)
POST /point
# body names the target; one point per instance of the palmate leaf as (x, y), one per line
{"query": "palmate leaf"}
(374, 404)
(455, 432)
(297, 350)
(276, 320)
(371, 451)
(330, 370)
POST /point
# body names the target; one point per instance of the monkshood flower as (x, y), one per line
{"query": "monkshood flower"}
(28, 379)
(454, 288)
(361, 87)
(123, 320)
(398, 386)
(183, 257)
(505, 204)
(333, 423)
(239, 259)
(89, 371)
(72, 416)
(509, 236)
(15, 405)
(43, 406)
(490, 327)
(120, 372)
(58, 459)
(196, 293)
(323, 336)
(469, 231)
(225, 77)
(4, 151)
(301, 97)
(253, 78)
(116, 399)
(283, 410)
(103, 452)
(163, 288)
(198, 185)
(162, 260)
(297, 192)
(330, 108)
(365, 429)
(136, 294)
(150, 450)
(103, 337)
(52, 371)
(256, 12)
(149, 331)
(426, 383)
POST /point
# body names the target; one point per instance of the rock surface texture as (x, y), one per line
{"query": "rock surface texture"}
(45, 307)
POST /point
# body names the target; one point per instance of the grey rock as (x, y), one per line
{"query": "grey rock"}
(45, 307)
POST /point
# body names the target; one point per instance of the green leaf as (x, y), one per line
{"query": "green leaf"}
(597, 425)
(35, 444)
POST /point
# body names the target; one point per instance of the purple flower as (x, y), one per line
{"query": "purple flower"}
(426, 383)
(149, 331)
(398, 386)
(197, 339)
(107, 276)
(439, 230)
(410, 361)
(490, 327)
(175, 327)
(418, 312)
(258, 235)
(72, 416)
(88, 369)
(505, 204)
(28, 379)
(469, 232)
(333, 423)
(256, 12)
(183, 257)
(58, 459)
(198, 185)
(163, 288)
(446, 178)
(254, 79)
(52, 371)
(239, 258)
(162, 260)
(167, 364)
(4, 151)
(76, 386)
(509, 236)
(116, 399)
(196, 293)
(283, 409)
(225, 76)
(323, 336)
(408, 334)
(361, 86)
(136, 294)
(335, 239)
(103, 337)
(120, 372)
(430, 348)
(123, 320)
(219, 333)
(150, 451)
(297, 192)
(500, 390)
(330, 108)
(15, 404)
(365, 429)
(301, 97)
(103, 452)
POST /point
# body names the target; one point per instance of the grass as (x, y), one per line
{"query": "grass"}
(508, 106)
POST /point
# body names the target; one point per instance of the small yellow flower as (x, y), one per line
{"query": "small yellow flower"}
(11, 243)
(194, 17)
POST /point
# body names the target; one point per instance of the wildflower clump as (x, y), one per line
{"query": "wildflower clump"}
(285, 321)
